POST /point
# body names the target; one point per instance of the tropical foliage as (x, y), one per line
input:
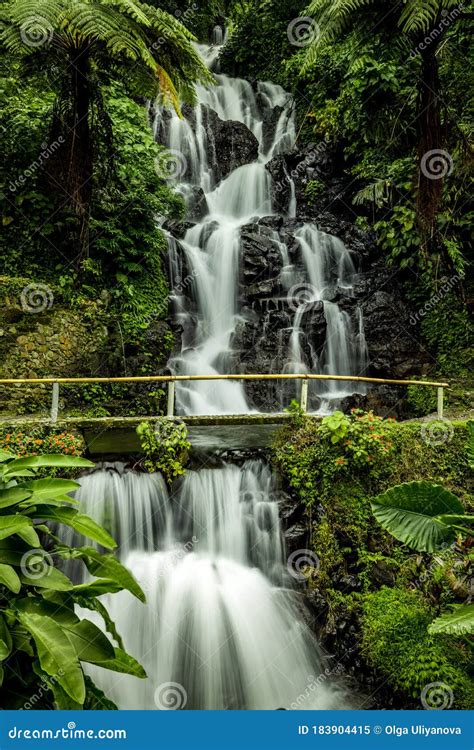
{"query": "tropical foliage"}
(165, 445)
(43, 642)
(77, 48)
(423, 515)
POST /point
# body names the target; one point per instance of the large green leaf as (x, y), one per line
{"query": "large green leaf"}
(48, 489)
(90, 643)
(56, 653)
(107, 566)
(9, 578)
(13, 496)
(459, 622)
(10, 552)
(29, 535)
(96, 606)
(79, 522)
(97, 588)
(51, 578)
(410, 512)
(54, 459)
(123, 662)
(5, 456)
(10, 525)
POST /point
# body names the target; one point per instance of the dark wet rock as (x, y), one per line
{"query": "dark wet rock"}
(196, 205)
(296, 537)
(231, 144)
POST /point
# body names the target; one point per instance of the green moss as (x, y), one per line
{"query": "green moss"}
(395, 641)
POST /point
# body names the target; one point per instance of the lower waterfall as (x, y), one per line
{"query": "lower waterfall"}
(222, 627)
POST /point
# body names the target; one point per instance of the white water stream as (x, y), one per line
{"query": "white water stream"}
(223, 626)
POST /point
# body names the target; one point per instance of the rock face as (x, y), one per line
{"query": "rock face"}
(263, 335)
(231, 144)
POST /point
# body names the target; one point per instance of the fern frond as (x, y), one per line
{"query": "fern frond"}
(377, 193)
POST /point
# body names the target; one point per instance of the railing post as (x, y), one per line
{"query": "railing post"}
(55, 403)
(440, 402)
(304, 395)
(170, 409)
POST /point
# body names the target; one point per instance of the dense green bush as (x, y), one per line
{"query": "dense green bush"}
(396, 642)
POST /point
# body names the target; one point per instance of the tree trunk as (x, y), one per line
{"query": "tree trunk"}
(70, 172)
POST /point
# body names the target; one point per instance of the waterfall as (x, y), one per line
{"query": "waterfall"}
(212, 249)
(222, 627)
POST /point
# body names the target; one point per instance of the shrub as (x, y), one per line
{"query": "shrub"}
(43, 642)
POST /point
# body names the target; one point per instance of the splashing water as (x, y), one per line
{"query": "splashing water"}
(222, 627)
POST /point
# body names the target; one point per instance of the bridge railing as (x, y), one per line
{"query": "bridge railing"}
(173, 379)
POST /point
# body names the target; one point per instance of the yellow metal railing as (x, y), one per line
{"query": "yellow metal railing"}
(172, 379)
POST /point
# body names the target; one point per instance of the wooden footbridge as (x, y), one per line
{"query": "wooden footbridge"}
(225, 427)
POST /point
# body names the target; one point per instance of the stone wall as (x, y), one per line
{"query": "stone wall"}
(37, 342)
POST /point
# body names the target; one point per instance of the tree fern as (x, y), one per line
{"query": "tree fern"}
(83, 44)
(127, 29)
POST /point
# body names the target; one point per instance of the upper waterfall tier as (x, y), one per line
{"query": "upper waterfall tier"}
(222, 148)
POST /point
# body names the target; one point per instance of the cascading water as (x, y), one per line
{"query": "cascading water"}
(221, 628)
(212, 250)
